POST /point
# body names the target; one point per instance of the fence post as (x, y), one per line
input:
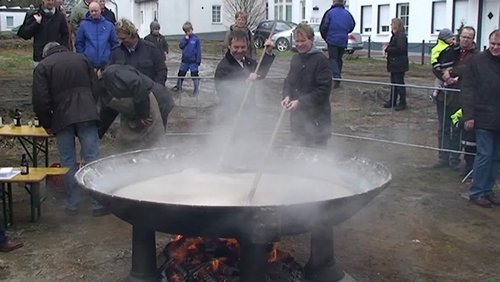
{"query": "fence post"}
(423, 52)
(369, 47)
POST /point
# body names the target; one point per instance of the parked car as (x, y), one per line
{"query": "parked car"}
(261, 33)
(284, 40)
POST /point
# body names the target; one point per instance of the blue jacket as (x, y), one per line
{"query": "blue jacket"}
(95, 39)
(191, 49)
(335, 26)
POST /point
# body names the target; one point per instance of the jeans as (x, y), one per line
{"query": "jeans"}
(86, 132)
(448, 135)
(398, 78)
(335, 54)
(486, 163)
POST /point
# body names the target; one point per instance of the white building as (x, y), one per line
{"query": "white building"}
(423, 18)
(11, 17)
(205, 15)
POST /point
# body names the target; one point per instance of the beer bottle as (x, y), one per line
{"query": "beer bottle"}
(25, 166)
(17, 118)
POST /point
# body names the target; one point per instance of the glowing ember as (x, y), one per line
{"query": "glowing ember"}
(201, 259)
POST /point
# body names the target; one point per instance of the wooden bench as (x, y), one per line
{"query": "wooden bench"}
(32, 185)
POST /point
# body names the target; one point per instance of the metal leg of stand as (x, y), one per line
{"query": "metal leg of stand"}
(467, 176)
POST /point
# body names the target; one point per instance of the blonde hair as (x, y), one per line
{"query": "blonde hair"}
(305, 30)
(187, 26)
(125, 26)
(397, 25)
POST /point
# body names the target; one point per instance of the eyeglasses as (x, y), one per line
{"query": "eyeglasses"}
(466, 37)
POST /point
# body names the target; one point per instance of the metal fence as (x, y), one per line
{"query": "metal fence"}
(357, 111)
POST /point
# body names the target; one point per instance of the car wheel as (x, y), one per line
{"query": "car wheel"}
(282, 44)
(258, 42)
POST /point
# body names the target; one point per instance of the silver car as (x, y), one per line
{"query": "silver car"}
(283, 39)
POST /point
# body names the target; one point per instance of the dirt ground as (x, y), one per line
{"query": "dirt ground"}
(418, 229)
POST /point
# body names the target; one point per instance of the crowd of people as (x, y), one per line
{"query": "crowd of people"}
(112, 71)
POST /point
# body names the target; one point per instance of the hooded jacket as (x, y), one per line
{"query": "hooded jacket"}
(336, 24)
(53, 27)
(63, 86)
(309, 81)
(95, 39)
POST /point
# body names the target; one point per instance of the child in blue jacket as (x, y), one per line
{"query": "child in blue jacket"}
(191, 58)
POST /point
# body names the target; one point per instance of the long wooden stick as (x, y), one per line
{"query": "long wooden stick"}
(258, 176)
(242, 104)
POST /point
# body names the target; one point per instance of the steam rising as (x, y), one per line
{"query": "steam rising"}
(219, 171)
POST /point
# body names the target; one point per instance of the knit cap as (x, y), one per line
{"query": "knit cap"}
(154, 25)
(445, 33)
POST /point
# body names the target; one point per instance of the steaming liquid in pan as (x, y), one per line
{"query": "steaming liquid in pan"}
(207, 189)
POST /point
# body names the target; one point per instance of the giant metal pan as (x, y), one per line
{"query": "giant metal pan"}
(366, 179)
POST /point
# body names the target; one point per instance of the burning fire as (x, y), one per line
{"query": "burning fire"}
(201, 259)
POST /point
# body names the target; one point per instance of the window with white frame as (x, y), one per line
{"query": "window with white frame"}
(438, 16)
(384, 19)
(459, 13)
(10, 21)
(366, 19)
(283, 10)
(216, 14)
(403, 12)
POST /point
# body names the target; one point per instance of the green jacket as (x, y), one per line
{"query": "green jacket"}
(78, 14)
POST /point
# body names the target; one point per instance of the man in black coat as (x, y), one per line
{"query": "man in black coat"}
(63, 100)
(118, 81)
(480, 97)
(44, 25)
(107, 13)
(137, 52)
(234, 70)
(127, 91)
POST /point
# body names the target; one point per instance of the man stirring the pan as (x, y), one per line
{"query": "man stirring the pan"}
(234, 69)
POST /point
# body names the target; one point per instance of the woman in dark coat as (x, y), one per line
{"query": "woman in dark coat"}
(397, 64)
(306, 92)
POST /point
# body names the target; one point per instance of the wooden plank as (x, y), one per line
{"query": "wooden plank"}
(24, 130)
(36, 174)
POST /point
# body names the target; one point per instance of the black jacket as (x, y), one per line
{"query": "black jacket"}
(63, 86)
(52, 28)
(146, 58)
(228, 70)
(397, 53)
(309, 81)
(120, 81)
(480, 94)
(160, 42)
(109, 15)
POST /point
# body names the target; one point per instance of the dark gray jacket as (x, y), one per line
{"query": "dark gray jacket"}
(52, 28)
(309, 81)
(146, 58)
(480, 93)
(63, 85)
(397, 53)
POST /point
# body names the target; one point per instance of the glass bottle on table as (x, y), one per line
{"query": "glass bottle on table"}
(36, 122)
(25, 166)
(17, 118)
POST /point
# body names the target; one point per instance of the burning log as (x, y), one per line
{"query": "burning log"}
(217, 260)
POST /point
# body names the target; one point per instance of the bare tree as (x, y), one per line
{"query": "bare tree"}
(255, 9)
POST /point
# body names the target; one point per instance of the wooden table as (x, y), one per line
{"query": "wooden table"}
(32, 185)
(35, 140)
